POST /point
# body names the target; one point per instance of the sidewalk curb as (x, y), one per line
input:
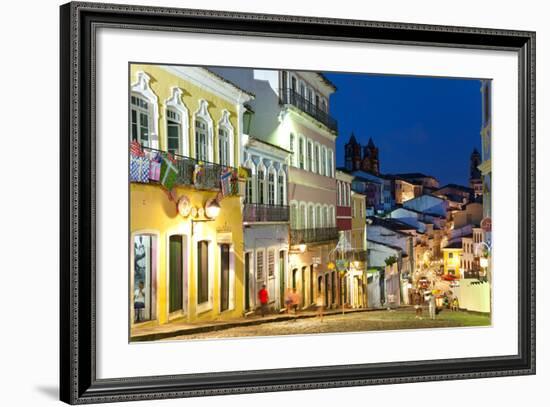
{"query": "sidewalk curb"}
(155, 336)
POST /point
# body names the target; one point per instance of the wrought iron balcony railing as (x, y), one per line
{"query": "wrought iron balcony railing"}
(298, 236)
(265, 213)
(291, 97)
(200, 174)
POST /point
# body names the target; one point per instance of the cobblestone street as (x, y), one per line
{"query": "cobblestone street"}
(360, 321)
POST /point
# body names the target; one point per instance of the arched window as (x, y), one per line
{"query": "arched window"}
(225, 140)
(260, 189)
(310, 217)
(177, 124)
(301, 153)
(292, 150)
(319, 222)
(144, 115)
(249, 190)
(302, 216)
(323, 160)
(317, 157)
(309, 156)
(140, 120)
(281, 184)
(331, 217)
(339, 193)
(325, 216)
(204, 133)
(271, 186)
(330, 169)
(293, 215)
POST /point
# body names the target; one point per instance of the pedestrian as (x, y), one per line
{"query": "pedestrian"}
(431, 305)
(320, 303)
(418, 304)
(454, 306)
(295, 300)
(263, 296)
(139, 302)
(288, 300)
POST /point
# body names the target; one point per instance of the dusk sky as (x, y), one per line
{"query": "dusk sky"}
(428, 125)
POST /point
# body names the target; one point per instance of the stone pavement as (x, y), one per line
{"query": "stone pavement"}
(178, 328)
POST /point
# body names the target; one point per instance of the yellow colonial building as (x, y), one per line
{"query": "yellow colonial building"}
(451, 259)
(186, 237)
(358, 265)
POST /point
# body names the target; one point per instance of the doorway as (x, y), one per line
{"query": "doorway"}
(175, 273)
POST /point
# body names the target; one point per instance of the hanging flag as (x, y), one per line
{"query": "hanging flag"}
(225, 181)
(135, 149)
(139, 169)
(168, 172)
(154, 171)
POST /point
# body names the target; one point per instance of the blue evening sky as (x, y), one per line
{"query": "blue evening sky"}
(419, 124)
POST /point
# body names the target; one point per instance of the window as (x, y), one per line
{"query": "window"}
(292, 158)
(331, 214)
(318, 216)
(450, 255)
(249, 192)
(271, 188)
(330, 170)
(261, 186)
(309, 156)
(260, 265)
(316, 158)
(310, 220)
(323, 160)
(324, 105)
(339, 193)
(173, 129)
(201, 140)
(301, 162)
(271, 263)
(302, 217)
(281, 185)
(353, 209)
(140, 118)
(202, 271)
(325, 216)
(224, 277)
(223, 146)
(293, 216)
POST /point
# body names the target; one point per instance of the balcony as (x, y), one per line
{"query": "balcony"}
(265, 213)
(291, 97)
(202, 175)
(316, 235)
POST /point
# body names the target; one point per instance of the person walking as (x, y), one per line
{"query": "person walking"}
(431, 305)
(320, 303)
(139, 302)
(288, 300)
(263, 296)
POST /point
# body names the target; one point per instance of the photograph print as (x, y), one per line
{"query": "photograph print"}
(277, 202)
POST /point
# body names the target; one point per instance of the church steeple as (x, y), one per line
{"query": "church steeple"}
(352, 151)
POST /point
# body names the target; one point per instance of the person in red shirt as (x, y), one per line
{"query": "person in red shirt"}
(263, 296)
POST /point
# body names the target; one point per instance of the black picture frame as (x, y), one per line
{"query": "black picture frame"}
(78, 382)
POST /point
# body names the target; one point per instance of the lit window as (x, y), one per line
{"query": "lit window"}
(261, 186)
(301, 153)
(201, 140)
(223, 146)
(140, 120)
(271, 188)
(173, 124)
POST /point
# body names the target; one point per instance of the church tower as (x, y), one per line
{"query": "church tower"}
(475, 173)
(370, 158)
(352, 154)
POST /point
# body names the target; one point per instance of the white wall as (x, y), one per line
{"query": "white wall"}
(29, 72)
